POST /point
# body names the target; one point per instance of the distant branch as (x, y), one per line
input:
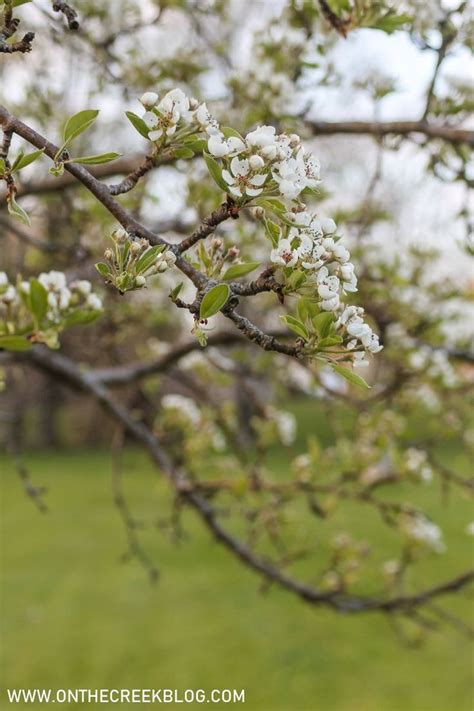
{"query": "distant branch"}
(386, 128)
(68, 371)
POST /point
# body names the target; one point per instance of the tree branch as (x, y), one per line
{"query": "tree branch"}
(67, 370)
(386, 128)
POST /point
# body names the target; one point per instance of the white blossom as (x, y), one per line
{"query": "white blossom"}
(422, 531)
(184, 405)
(284, 254)
(470, 528)
(53, 280)
(241, 179)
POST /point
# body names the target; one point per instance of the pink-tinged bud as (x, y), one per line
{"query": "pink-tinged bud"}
(258, 213)
(120, 236)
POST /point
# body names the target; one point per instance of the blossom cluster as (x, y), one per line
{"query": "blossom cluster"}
(261, 162)
(130, 261)
(38, 309)
(311, 249)
(416, 463)
(182, 413)
(274, 170)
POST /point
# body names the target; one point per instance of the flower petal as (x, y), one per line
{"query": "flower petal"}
(228, 177)
(258, 180)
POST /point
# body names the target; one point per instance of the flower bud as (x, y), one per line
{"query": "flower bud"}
(329, 226)
(233, 253)
(135, 248)
(216, 243)
(193, 104)
(140, 281)
(149, 99)
(120, 236)
(256, 162)
(258, 213)
(170, 258)
(109, 255)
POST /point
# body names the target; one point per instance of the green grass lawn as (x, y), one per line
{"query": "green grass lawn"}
(75, 615)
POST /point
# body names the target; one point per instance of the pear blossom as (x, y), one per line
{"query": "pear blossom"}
(184, 405)
(217, 146)
(10, 295)
(263, 137)
(329, 226)
(422, 531)
(288, 176)
(94, 302)
(240, 178)
(53, 280)
(286, 426)
(283, 254)
(83, 286)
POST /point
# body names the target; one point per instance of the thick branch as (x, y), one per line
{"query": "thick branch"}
(385, 128)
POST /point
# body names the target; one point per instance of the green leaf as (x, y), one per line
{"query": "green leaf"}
(138, 124)
(14, 343)
(273, 231)
(322, 323)
(296, 279)
(228, 132)
(296, 326)
(203, 255)
(174, 293)
(184, 153)
(98, 159)
(2, 167)
(197, 145)
(215, 170)
(329, 341)
(307, 309)
(79, 123)
(148, 258)
(38, 301)
(103, 269)
(17, 211)
(349, 375)
(390, 22)
(80, 318)
(57, 169)
(239, 270)
(273, 204)
(17, 3)
(21, 161)
(214, 300)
